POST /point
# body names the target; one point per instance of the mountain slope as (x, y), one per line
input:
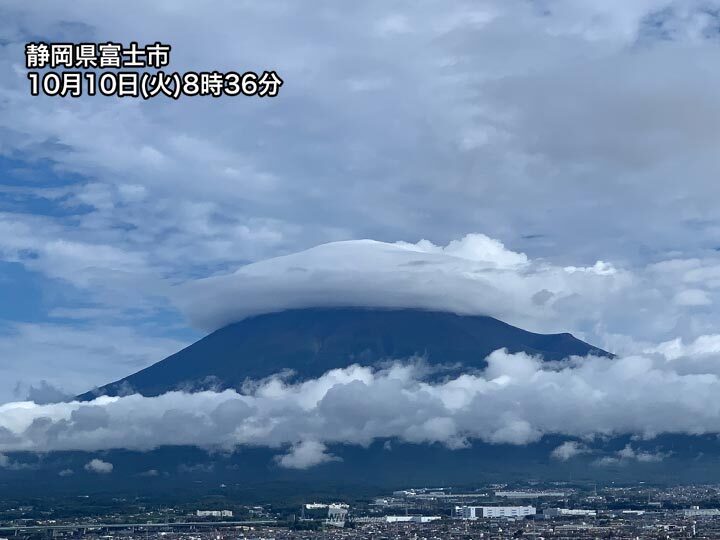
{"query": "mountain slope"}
(313, 341)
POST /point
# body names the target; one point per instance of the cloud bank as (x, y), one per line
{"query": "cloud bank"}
(517, 400)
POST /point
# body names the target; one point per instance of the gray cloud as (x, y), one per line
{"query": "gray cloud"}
(10, 464)
(98, 466)
(46, 393)
(521, 111)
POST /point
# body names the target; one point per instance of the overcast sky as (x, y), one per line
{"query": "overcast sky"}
(574, 141)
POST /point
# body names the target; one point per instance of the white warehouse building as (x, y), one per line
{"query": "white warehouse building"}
(696, 511)
(479, 512)
(214, 513)
(411, 519)
(569, 512)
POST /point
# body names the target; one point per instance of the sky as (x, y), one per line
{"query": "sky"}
(552, 163)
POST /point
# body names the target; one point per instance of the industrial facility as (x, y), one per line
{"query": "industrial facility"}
(569, 512)
(479, 512)
(214, 513)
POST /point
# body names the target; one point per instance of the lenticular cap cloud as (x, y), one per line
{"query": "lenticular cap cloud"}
(476, 275)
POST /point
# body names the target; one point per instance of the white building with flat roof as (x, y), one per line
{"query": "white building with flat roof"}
(568, 512)
(480, 512)
(530, 494)
(214, 513)
(696, 511)
(331, 514)
(337, 514)
(411, 519)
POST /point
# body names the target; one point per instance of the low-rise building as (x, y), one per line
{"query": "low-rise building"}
(530, 494)
(479, 512)
(214, 513)
(337, 514)
(331, 514)
(569, 512)
(411, 519)
(696, 511)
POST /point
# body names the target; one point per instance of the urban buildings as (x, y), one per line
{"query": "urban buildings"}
(478, 512)
(569, 512)
(214, 513)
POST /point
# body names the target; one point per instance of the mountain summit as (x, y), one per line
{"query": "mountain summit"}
(309, 342)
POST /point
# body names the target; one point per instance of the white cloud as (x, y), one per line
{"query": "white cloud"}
(99, 466)
(628, 454)
(474, 275)
(305, 454)
(569, 450)
(517, 399)
(703, 347)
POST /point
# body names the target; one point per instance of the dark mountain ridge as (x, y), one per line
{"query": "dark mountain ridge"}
(312, 341)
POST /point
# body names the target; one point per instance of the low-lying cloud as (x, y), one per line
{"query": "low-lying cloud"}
(98, 466)
(517, 400)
